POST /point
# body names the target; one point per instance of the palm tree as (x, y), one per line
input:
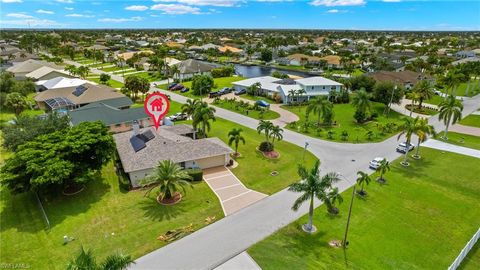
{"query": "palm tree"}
(414, 97)
(276, 133)
(451, 80)
(363, 178)
(168, 176)
(321, 106)
(189, 107)
(422, 131)
(291, 95)
(383, 168)
(361, 101)
(332, 197)
(312, 186)
(202, 116)
(408, 129)
(235, 136)
(266, 127)
(174, 70)
(450, 112)
(424, 89)
(86, 261)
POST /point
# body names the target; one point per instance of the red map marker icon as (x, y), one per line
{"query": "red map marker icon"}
(156, 105)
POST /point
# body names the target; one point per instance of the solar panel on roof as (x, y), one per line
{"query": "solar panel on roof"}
(149, 134)
(79, 90)
(137, 143)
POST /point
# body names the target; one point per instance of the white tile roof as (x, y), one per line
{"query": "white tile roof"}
(60, 82)
(317, 80)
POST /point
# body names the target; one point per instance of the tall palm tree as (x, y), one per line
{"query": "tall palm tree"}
(424, 89)
(414, 97)
(451, 80)
(85, 260)
(450, 112)
(408, 128)
(265, 127)
(363, 178)
(169, 178)
(202, 116)
(361, 101)
(312, 186)
(235, 136)
(321, 106)
(276, 133)
(173, 70)
(383, 168)
(189, 107)
(422, 131)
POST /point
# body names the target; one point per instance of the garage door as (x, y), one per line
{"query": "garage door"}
(210, 162)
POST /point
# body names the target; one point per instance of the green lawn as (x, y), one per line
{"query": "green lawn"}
(474, 89)
(461, 140)
(86, 61)
(255, 98)
(100, 65)
(115, 68)
(232, 106)
(435, 100)
(472, 261)
(111, 82)
(421, 219)
(345, 122)
(150, 76)
(471, 120)
(219, 83)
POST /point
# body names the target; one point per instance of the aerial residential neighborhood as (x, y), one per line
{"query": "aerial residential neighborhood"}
(239, 135)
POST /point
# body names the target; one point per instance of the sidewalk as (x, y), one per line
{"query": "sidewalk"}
(451, 148)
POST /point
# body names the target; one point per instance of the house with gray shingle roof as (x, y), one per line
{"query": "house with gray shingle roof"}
(168, 143)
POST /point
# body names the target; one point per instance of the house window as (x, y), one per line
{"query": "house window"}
(323, 87)
(334, 87)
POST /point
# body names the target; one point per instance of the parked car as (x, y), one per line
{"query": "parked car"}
(185, 89)
(402, 147)
(171, 85)
(240, 92)
(375, 163)
(214, 94)
(178, 117)
(225, 91)
(177, 87)
(262, 103)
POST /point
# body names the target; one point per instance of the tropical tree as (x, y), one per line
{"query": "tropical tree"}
(189, 107)
(173, 70)
(16, 102)
(254, 89)
(422, 131)
(321, 106)
(424, 89)
(104, 78)
(265, 127)
(361, 101)
(333, 196)
(276, 134)
(383, 168)
(136, 85)
(202, 115)
(450, 112)
(83, 71)
(408, 128)
(414, 97)
(201, 84)
(169, 178)
(363, 179)
(312, 186)
(71, 69)
(85, 260)
(235, 137)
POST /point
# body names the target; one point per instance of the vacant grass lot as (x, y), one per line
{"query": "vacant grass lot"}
(357, 133)
(421, 219)
(150, 76)
(232, 106)
(111, 82)
(219, 83)
(471, 120)
(460, 139)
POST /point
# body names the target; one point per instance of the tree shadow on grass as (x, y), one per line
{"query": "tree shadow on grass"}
(416, 169)
(158, 212)
(23, 213)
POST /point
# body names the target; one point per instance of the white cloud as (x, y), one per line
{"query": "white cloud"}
(218, 3)
(176, 9)
(11, 1)
(31, 23)
(65, 1)
(333, 11)
(120, 20)
(136, 8)
(76, 15)
(69, 8)
(20, 16)
(42, 11)
(335, 3)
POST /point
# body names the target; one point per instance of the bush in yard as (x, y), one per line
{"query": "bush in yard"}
(226, 71)
(104, 78)
(202, 84)
(196, 174)
(266, 147)
(360, 116)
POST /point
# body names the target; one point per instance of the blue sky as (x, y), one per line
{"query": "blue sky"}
(280, 14)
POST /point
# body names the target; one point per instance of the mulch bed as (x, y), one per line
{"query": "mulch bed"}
(176, 198)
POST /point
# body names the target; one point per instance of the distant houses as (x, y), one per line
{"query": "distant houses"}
(20, 70)
(406, 78)
(188, 68)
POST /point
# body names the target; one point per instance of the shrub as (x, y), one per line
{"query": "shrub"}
(196, 174)
(266, 147)
(360, 116)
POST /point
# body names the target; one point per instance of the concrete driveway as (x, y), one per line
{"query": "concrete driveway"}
(233, 195)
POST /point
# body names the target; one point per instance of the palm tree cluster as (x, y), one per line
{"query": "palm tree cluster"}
(85, 260)
(418, 126)
(81, 71)
(201, 114)
(361, 101)
(312, 186)
(272, 133)
(323, 108)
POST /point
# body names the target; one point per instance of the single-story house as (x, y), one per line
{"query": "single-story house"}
(406, 78)
(118, 120)
(58, 82)
(313, 86)
(299, 59)
(191, 67)
(465, 54)
(75, 96)
(47, 73)
(333, 61)
(142, 149)
(466, 60)
(23, 68)
(231, 49)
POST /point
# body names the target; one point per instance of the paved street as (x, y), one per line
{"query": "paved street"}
(207, 248)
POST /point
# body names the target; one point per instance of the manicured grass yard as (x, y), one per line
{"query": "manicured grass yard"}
(111, 82)
(471, 120)
(435, 100)
(461, 140)
(462, 89)
(150, 76)
(115, 68)
(219, 84)
(232, 106)
(421, 219)
(345, 122)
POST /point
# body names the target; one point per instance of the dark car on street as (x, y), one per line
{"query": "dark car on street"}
(225, 91)
(171, 85)
(214, 94)
(177, 87)
(240, 92)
